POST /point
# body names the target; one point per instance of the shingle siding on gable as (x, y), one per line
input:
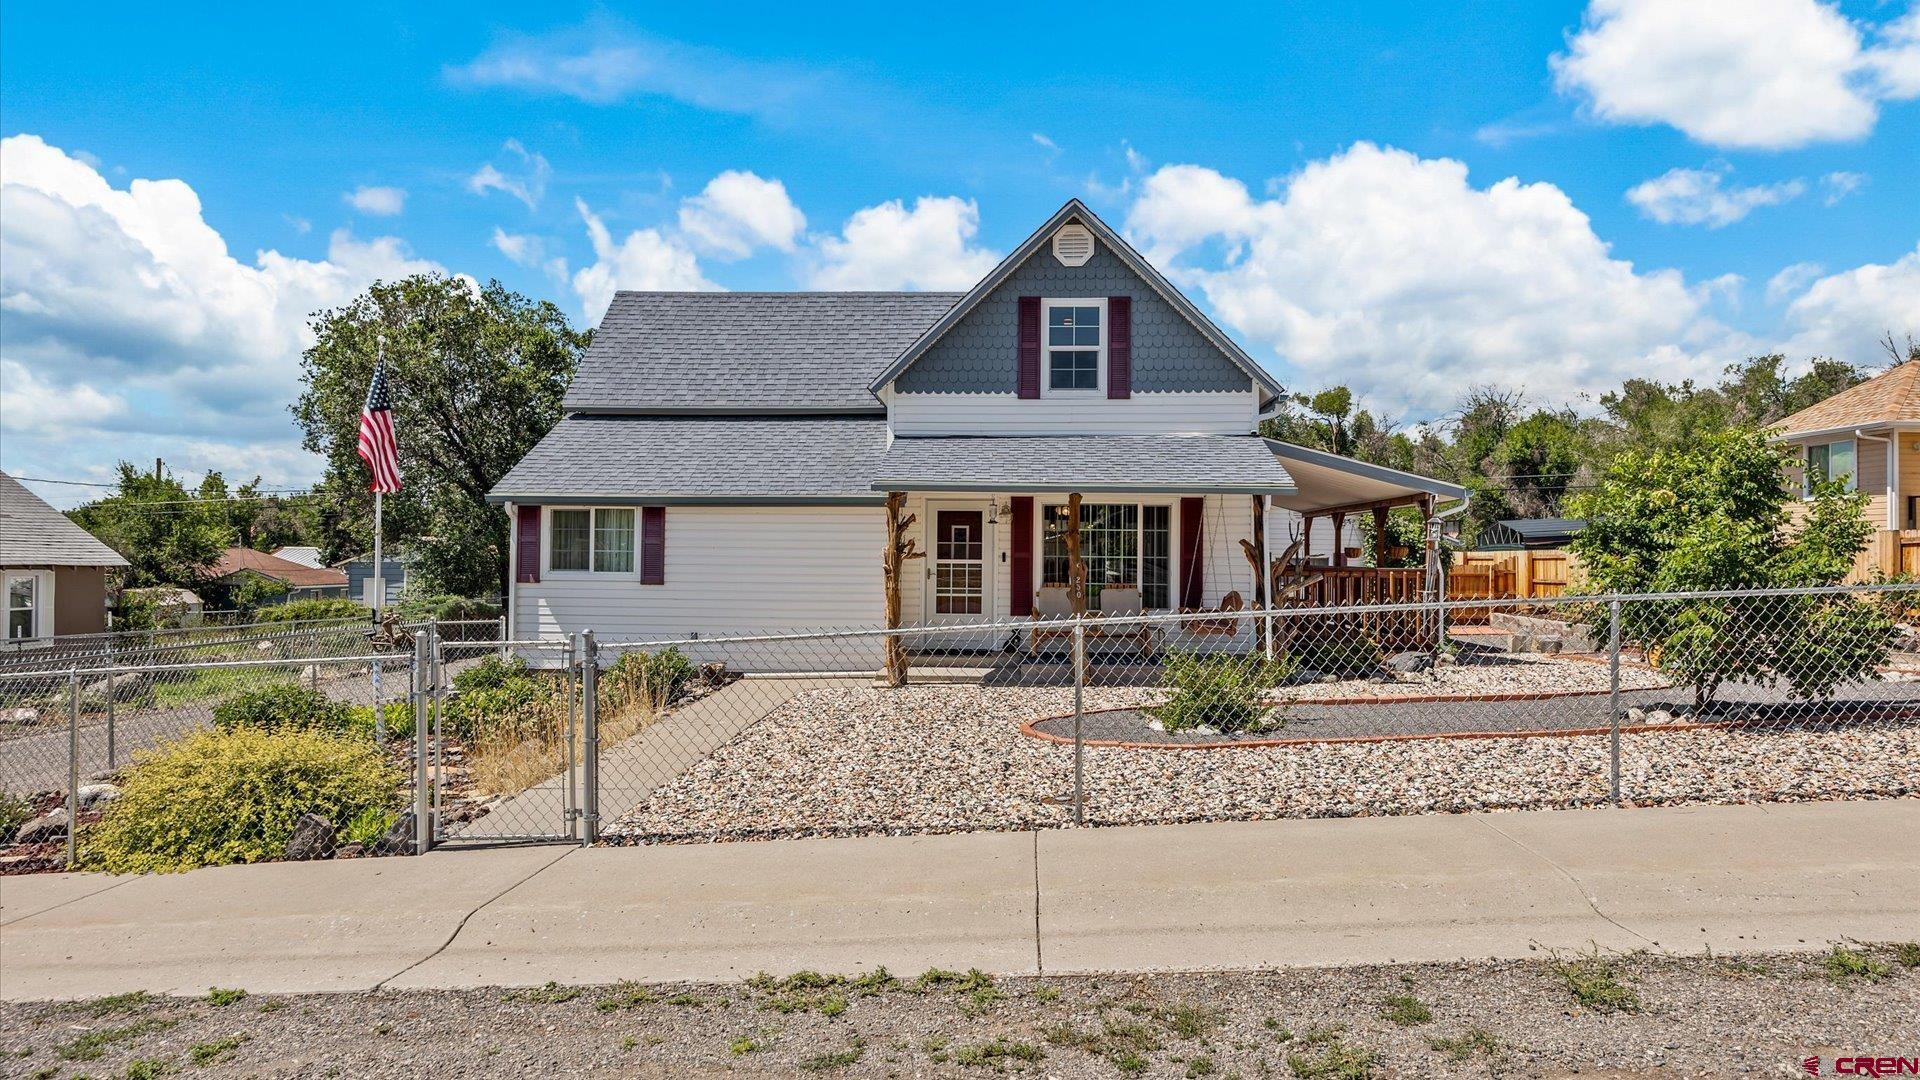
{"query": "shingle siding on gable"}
(980, 355)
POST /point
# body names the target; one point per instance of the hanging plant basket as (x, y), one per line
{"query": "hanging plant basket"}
(1398, 551)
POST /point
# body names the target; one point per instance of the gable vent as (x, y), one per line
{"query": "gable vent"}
(1073, 244)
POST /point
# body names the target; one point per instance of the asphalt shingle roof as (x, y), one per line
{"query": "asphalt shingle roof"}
(731, 352)
(1191, 464)
(1891, 397)
(35, 534)
(701, 458)
(235, 559)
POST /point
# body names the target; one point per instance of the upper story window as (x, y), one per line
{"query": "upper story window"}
(599, 540)
(1831, 461)
(1076, 346)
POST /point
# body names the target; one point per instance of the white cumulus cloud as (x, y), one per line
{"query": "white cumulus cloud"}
(646, 259)
(1844, 315)
(1758, 74)
(1702, 197)
(738, 212)
(889, 246)
(377, 201)
(1394, 274)
(116, 294)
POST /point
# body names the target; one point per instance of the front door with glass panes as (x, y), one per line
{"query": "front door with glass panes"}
(959, 563)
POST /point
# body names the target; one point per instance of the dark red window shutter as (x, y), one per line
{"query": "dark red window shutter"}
(1192, 574)
(527, 544)
(1029, 346)
(1119, 346)
(653, 545)
(1022, 558)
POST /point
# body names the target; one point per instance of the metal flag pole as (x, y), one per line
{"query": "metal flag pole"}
(379, 582)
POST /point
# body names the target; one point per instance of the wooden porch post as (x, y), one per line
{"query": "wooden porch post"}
(1380, 542)
(1076, 567)
(1339, 539)
(900, 548)
(1261, 574)
(1430, 586)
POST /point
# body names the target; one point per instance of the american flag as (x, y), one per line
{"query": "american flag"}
(376, 435)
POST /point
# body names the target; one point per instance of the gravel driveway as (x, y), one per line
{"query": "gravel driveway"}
(1670, 1016)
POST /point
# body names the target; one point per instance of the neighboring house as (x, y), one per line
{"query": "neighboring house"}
(359, 571)
(302, 554)
(726, 459)
(1869, 437)
(53, 573)
(236, 564)
(174, 606)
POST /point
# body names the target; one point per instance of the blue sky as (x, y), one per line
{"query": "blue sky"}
(1409, 198)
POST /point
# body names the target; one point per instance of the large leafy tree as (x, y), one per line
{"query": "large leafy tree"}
(168, 533)
(476, 376)
(1713, 516)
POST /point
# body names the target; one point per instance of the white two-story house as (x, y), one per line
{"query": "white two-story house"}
(726, 460)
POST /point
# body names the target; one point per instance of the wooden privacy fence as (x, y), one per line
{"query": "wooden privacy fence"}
(1498, 575)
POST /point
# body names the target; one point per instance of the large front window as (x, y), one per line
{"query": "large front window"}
(600, 540)
(1076, 344)
(1122, 544)
(1831, 461)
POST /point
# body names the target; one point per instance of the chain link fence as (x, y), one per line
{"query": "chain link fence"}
(1116, 717)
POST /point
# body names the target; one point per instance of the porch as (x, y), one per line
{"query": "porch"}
(1048, 530)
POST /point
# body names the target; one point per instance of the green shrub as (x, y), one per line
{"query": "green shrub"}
(503, 701)
(14, 812)
(399, 717)
(217, 797)
(283, 706)
(655, 679)
(491, 672)
(310, 610)
(1331, 650)
(368, 826)
(1226, 693)
(446, 608)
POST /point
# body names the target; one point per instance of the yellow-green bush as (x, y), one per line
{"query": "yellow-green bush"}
(219, 797)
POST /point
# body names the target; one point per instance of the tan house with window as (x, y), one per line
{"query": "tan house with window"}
(1869, 436)
(53, 573)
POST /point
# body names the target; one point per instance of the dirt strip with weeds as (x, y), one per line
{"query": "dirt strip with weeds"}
(1588, 1012)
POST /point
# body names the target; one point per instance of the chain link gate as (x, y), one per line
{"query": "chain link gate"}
(535, 792)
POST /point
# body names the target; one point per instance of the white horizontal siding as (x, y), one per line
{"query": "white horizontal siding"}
(1008, 414)
(733, 570)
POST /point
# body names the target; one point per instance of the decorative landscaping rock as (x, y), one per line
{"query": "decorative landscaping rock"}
(41, 830)
(398, 837)
(350, 851)
(312, 838)
(1408, 663)
(93, 795)
(1530, 633)
(22, 715)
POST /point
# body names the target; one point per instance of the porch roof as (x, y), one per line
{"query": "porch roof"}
(1328, 482)
(1143, 464)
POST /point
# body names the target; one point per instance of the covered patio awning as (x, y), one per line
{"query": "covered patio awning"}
(1328, 483)
(1142, 464)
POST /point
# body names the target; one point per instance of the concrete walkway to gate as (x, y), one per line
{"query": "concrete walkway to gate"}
(632, 768)
(1228, 895)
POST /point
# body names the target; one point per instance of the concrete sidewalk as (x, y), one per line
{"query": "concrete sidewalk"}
(1182, 897)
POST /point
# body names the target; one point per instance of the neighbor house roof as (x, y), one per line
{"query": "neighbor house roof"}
(1148, 464)
(1516, 534)
(302, 554)
(700, 459)
(743, 352)
(1075, 210)
(35, 534)
(1891, 397)
(236, 559)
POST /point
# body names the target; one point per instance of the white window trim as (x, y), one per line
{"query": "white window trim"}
(42, 602)
(1806, 469)
(547, 547)
(1041, 506)
(1046, 348)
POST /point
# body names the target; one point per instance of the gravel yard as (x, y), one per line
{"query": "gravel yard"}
(930, 759)
(1637, 1015)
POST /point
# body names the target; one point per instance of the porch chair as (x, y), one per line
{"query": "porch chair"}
(1052, 616)
(1120, 600)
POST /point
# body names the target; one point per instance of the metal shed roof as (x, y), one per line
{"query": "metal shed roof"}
(1516, 534)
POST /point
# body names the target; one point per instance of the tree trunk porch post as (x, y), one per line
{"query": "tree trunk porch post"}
(1076, 566)
(900, 548)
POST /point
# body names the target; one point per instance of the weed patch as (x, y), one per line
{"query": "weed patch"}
(551, 994)
(207, 1053)
(1907, 954)
(838, 1060)
(996, 1053)
(1465, 1045)
(220, 998)
(627, 995)
(1595, 983)
(1406, 1010)
(91, 1045)
(1846, 965)
(117, 1003)
(1334, 1060)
